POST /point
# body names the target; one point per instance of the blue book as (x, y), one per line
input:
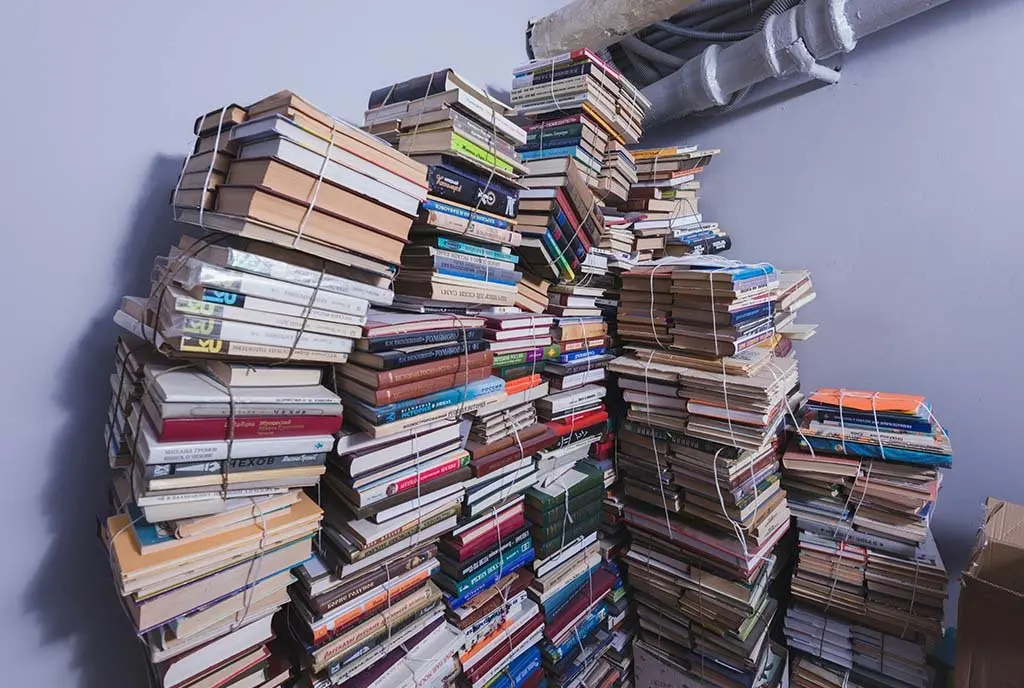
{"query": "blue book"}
(563, 152)
(465, 214)
(516, 563)
(575, 245)
(582, 355)
(867, 420)
(379, 415)
(691, 237)
(740, 273)
(546, 144)
(497, 565)
(474, 250)
(873, 451)
(519, 670)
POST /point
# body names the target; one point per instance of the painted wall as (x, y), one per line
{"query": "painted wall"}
(899, 189)
(98, 105)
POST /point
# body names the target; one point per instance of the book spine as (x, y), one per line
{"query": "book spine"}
(544, 90)
(546, 76)
(428, 355)
(564, 246)
(585, 627)
(241, 301)
(454, 602)
(496, 568)
(460, 571)
(471, 228)
(552, 143)
(159, 471)
(430, 474)
(463, 214)
(580, 355)
(518, 371)
(486, 138)
(521, 357)
(478, 272)
(573, 130)
(462, 247)
(202, 274)
(849, 418)
(577, 242)
(430, 369)
(398, 341)
(378, 602)
(214, 429)
(463, 145)
(582, 345)
(425, 524)
(468, 294)
(445, 399)
(576, 224)
(561, 152)
(391, 395)
(461, 188)
(489, 263)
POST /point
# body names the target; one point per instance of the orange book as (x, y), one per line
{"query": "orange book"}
(522, 384)
(879, 402)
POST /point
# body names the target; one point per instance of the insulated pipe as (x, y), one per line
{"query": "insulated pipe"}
(791, 43)
(595, 24)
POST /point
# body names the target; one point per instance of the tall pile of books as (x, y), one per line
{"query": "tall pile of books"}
(220, 416)
(582, 114)
(869, 586)
(705, 397)
(462, 239)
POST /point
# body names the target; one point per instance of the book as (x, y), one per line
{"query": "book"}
(390, 360)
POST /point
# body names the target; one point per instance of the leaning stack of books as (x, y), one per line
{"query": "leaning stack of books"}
(533, 294)
(863, 479)
(664, 204)
(466, 224)
(618, 174)
(705, 402)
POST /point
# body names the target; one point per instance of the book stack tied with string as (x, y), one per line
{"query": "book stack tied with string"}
(862, 474)
(223, 412)
(461, 251)
(707, 383)
(662, 208)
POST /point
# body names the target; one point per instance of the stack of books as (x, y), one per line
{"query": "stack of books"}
(795, 292)
(533, 294)
(369, 591)
(705, 395)
(663, 204)
(219, 421)
(572, 581)
(560, 221)
(863, 479)
(462, 240)
(590, 102)
(618, 174)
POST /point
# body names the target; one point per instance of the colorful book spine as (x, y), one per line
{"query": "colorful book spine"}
(465, 214)
(461, 144)
(498, 565)
(546, 76)
(245, 427)
(454, 602)
(473, 249)
(433, 337)
(380, 415)
(450, 183)
(470, 228)
(520, 357)
(405, 358)
(574, 356)
(867, 420)
(410, 479)
(553, 133)
(458, 268)
(584, 628)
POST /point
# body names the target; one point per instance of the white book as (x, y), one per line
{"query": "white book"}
(501, 485)
(582, 378)
(193, 387)
(424, 502)
(420, 457)
(185, 325)
(369, 531)
(572, 399)
(520, 398)
(243, 261)
(242, 375)
(528, 611)
(484, 482)
(520, 344)
(670, 222)
(426, 664)
(274, 136)
(542, 567)
(496, 497)
(230, 645)
(268, 312)
(196, 273)
(529, 333)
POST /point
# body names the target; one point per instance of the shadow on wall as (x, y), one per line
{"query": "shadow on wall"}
(73, 592)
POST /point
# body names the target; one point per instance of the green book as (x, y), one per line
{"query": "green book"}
(578, 529)
(553, 530)
(575, 481)
(464, 145)
(594, 495)
(522, 357)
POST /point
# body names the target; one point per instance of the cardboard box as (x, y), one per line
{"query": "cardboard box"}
(990, 632)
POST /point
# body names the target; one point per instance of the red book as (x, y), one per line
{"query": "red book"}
(246, 427)
(461, 552)
(580, 421)
(500, 459)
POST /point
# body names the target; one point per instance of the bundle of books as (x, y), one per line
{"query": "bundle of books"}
(582, 103)
(863, 479)
(663, 204)
(462, 239)
(618, 174)
(705, 397)
(795, 292)
(215, 429)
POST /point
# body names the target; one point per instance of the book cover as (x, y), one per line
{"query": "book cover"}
(450, 183)
(425, 338)
(414, 407)
(473, 249)
(389, 360)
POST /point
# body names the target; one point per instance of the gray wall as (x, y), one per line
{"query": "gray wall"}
(99, 99)
(894, 187)
(899, 188)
